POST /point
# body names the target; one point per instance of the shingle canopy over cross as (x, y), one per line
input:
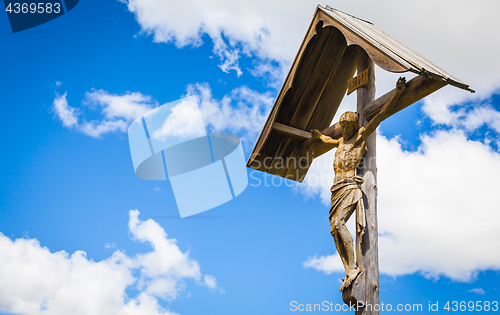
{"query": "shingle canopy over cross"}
(317, 83)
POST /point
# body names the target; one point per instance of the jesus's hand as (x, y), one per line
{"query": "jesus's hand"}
(401, 85)
(316, 133)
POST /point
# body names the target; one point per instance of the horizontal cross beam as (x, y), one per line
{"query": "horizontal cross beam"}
(416, 89)
(291, 131)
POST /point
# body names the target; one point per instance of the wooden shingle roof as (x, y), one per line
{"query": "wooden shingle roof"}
(317, 83)
(385, 51)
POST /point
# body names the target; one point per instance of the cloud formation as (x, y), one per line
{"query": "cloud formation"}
(66, 114)
(127, 107)
(236, 28)
(271, 32)
(243, 111)
(467, 117)
(184, 121)
(436, 208)
(477, 291)
(458, 39)
(37, 281)
(118, 111)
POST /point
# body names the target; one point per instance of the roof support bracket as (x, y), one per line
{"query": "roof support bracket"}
(291, 131)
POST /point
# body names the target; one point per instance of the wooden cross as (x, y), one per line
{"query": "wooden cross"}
(337, 45)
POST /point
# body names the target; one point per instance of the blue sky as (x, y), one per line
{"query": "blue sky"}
(71, 86)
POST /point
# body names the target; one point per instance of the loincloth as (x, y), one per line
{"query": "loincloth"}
(347, 194)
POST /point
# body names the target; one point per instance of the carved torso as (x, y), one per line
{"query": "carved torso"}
(347, 157)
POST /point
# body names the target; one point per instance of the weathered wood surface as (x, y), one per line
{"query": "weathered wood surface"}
(310, 103)
(365, 288)
(312, 38)
(383, 48)
(358, 81)
(334, 91)
(314, 86)
(303, 67)
(291, 132)
(382, 56)
(416, 89)
(328, 103)
(303, 103)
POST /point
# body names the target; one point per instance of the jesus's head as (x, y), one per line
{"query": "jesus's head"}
(350, 124)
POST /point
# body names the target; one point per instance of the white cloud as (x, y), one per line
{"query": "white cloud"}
(127, 107)
(272, 31)
(458, 39)
(66, 114)
(437, 213)
(319, 178)
(118, 111)
(477, 291)
(243, 111)
(465, 118)
(97, 129)
(162, 268)
(274, 74)
(37, 281)
(235, 27)
(435, 209)
(479, 116)
(210, 281)
(228, 57)
(327, 264)
(184, 121)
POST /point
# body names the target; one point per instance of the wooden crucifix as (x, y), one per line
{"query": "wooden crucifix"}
(336, 46)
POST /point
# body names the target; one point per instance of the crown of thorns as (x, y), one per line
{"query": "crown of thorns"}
(350, 117)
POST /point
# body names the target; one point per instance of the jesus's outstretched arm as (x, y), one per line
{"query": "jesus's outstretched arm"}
(386, 109)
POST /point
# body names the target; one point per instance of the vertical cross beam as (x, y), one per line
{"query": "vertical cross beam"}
(369, 245)
(365, 289)
(368, 251)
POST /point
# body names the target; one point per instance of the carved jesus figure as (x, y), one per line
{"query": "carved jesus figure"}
(346, 190)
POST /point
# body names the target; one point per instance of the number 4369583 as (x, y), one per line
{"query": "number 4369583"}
(471, 306)
(34, 8)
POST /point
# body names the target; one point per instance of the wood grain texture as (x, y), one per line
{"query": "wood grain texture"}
(292, 132)
(307, 92)
(334, 91)
(416, 89)
(320, 58)
(268, 144)
(366, 287)
(384, 50)
(383, 57)
(301, 99)
(257, 154)
(367, 248)
(358, 81)
(327, 106)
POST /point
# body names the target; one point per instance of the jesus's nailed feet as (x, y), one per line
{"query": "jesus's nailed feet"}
(350, 276)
